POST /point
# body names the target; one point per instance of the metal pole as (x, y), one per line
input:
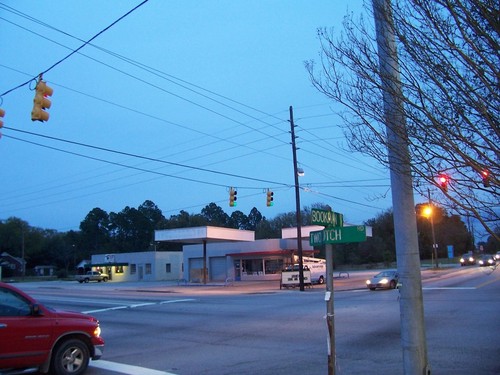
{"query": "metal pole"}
(413, 340)
(434, 244)
(297, 203)
(330, 321)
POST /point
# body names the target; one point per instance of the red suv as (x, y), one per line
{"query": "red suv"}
(37, 338)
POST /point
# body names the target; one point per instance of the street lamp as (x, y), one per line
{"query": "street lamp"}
(429, 214)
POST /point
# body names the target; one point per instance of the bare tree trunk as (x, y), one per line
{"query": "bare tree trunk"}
(411, 302)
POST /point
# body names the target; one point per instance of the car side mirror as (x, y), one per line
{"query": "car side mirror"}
(35, 310)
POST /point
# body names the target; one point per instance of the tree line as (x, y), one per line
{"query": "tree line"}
(132, 230)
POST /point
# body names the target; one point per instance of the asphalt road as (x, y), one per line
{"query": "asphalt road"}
(155, 328)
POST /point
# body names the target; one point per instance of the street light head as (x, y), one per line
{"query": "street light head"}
(300, 172)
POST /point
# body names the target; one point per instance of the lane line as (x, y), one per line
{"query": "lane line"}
(178, 300)
(132, 306)
(126, 369)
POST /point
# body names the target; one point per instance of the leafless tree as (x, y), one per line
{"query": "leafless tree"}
(449, 57)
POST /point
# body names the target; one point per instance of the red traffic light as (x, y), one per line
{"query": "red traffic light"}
(485, 175)
(443, 181)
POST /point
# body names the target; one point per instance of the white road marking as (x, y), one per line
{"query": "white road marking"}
(177, 300)
(132, 306)
(432, 288)
(126, 369)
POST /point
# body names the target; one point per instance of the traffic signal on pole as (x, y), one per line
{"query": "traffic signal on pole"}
(485, 175)
(270, 198)
(232, 197)
(443, 182)
(41, 103)
(2, 114)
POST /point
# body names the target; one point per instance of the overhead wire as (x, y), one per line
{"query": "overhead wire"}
(79, 48)
(88, 42)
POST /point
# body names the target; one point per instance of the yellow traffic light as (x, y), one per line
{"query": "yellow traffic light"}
(40, 103)
(232, 197)
(2, 114)
(270, 198)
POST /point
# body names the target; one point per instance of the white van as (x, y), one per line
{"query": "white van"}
(317, 266)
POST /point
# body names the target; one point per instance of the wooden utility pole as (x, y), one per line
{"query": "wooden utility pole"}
(413, 338)
(297, 203)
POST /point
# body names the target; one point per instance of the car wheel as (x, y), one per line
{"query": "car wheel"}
(393, 284)
(105, 279)
(80, 281)
(372, 288)
(70, 358)
(86, 280)
(321, 280)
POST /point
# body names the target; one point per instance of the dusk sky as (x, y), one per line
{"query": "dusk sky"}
(175, 103)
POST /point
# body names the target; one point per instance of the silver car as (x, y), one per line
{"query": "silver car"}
(383, 280)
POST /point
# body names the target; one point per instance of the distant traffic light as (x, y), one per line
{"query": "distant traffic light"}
(2, 114)
(40, 102)
(232, 197)
(485, 175)
(270, 198)
(443, 182)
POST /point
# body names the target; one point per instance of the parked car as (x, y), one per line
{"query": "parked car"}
(92, 276)
(34, 337)
(467, 260)
(383, 280)
(486, 260)
(497, 256)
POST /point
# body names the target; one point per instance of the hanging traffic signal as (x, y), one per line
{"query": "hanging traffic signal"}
(443, 182)
(485, 175)
(232, 197)
(40, 102)
(270, 198)
(2, 114)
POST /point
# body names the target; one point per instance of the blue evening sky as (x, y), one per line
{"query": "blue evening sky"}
(175, 103)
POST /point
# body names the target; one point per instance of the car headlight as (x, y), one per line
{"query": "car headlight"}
(471, 259)
(384, 281)
(368, 282)
(481, 262)
(462, 260)
(97, 331)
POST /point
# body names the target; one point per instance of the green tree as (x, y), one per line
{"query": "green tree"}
(215, 215)
(95, 229)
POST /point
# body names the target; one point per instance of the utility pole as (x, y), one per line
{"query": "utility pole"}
(297, 203)
(413, 338)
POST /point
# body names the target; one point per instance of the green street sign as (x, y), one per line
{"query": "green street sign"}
(326, 218)
(338, 235)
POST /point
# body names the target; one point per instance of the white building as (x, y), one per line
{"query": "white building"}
(147, 266)
(209, 254)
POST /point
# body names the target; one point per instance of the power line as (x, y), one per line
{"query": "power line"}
(79, 48)
(135, 156)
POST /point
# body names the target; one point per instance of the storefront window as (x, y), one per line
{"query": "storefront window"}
(273, 266)
(118, 269)
(252, 266)
(133, 269)
(148, 268)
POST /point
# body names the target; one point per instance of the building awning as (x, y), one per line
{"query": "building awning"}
(283, 253)
(108, 264)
